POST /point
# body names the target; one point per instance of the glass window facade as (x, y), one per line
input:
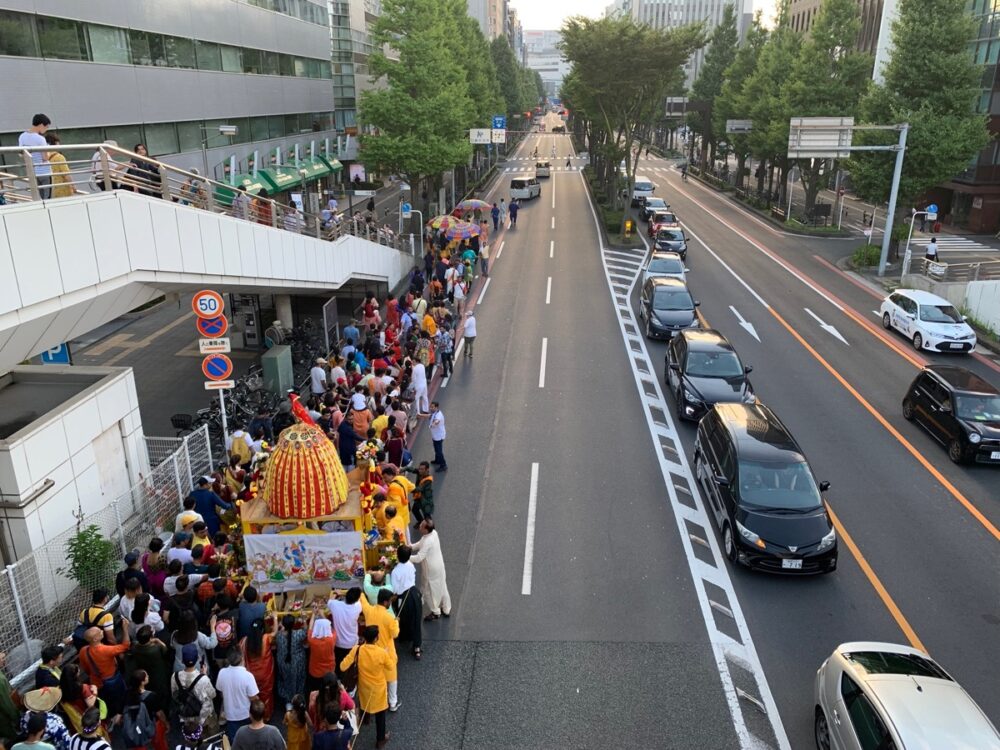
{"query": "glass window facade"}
(30, 35)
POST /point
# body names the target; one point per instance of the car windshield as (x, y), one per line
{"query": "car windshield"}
(978, 408)
(672, 299)
(670, 235)
(655, 202)
(644, 187)
(778, 485)
(714, 365)
(665, 218)
(665, 265)
(939, 314)
(877, 662)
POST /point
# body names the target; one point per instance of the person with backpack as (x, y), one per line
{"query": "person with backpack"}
(225, 630)
(100, 661)
(192, 691)
(96, 615)
(149, 655)
(143, 724)
(187, 634)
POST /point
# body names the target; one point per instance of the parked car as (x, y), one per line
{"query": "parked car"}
(642, 189)
(929, 321)
(667, 307)
(762, 493)
(703, 369)
(559, 129)
(664, 265)
(671, 239)
(881, 695)
(959, 409)
(524, 188)
(662, 220)
(543, 169)
(651, 204)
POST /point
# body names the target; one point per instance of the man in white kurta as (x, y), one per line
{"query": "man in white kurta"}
(433, 584)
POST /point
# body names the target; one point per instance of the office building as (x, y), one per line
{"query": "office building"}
(802, 15)
(542, 54)
(491, 15)
(515, 34)
(668, 14)
(167, 74)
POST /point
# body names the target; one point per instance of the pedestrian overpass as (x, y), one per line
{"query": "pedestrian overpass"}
(72, 264)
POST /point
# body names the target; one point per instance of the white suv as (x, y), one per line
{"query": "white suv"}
(929, 321)
(880, 695)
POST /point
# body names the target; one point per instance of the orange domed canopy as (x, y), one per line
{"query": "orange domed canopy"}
(304, 477)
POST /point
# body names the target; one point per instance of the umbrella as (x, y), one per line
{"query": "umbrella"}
(462, 230)
(474, 204)
(444, 220)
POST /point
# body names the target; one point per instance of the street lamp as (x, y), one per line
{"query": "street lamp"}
(227, 130)
(931, 213)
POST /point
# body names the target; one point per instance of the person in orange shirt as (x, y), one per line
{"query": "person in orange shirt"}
(375, 667)
(399, 489)
(388, 631)
(428, 324)
(99, 660)
(321, 641)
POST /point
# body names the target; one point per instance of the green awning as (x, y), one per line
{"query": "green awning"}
(333, 164)
(313, 168)
(279, 179)
(252, 184)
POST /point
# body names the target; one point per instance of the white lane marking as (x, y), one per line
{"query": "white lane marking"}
(723, 646)
(553, 222)
(500, 251)
(458, 349)
(444, 381)
(483, 292)
(541, 369)
(726, 266)
(552, 248)
(529, 537)
(548, 291)
(876, 313)
(826, 326)
(553, 195)
(745, 324)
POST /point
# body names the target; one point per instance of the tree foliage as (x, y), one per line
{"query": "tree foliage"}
(933, 83)
(707, 87)
(518, 85)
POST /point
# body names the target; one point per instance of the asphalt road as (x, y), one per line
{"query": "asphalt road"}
(924, 529)
(603, 644)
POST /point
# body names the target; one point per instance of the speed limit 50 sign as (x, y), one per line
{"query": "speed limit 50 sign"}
(207, 304)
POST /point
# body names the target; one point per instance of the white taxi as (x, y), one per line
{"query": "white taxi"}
(928, 321)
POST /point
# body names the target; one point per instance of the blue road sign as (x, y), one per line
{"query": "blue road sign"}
(499, 122)
(57, 355)
(212, 327)
(932, 208)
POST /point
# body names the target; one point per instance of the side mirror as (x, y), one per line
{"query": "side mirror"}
(824, 486)
(748, 369)
(721, 481)
(946, 407)
(697, 303)
(687, 270)
(965, 318)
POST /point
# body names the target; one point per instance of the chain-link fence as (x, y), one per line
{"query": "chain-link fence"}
(46, 590)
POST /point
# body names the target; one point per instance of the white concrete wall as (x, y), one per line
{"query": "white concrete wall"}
(91, 447)
(982, 300)
(72, 264)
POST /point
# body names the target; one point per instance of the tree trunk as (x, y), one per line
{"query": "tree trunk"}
(741, 161)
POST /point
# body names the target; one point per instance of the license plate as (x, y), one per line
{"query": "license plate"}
(791, 564)
(956, 346)
(995, 456)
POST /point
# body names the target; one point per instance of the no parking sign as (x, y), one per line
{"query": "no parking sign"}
(217, 366)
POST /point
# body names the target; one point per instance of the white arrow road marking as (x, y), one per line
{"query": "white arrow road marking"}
(746, 325)
(826, 326)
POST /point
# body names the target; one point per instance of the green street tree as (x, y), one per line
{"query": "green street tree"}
(508, 75)
(732, 103)
(932, 82)
(768, 108)
(422, 115)
(474, 55)
(827, 80)
(721, 52)
(625, 92)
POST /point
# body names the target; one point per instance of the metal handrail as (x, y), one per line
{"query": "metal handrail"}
(976, 271)
(110, 167)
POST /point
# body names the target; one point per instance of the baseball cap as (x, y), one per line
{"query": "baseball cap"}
(189, 655)
(205, 480)
(188, 518)
(132, 557)
(358, 401)
(320, 361)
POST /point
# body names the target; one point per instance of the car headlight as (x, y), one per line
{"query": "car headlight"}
(970, 337)
(689, 396)
(828, 541)
(975, 438)
(750, 536)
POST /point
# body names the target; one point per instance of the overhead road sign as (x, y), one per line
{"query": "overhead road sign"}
(498, 136)
(217, 367)
(207, 304)
(212, 328)
(499, 122)
(820, 137)
(739, 126)
(214, 346)
(479, 135)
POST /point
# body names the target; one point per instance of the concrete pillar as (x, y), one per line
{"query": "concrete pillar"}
(283, 309)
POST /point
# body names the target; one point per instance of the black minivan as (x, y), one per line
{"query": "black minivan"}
(761, 492)
(959, 409)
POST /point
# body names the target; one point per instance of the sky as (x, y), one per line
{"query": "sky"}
(548, 14)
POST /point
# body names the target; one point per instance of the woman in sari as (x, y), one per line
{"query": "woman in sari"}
(154, 565)
(77, 697)
(233, 476)
(258, 658)
(290, 659)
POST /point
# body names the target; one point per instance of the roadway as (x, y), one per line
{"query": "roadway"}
(922, 567)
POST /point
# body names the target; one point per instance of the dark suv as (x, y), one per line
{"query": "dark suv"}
(761, 492)
(959, 409)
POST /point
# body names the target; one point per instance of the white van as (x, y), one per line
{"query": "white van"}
(642, 189)
(524, 188)
(543, 169)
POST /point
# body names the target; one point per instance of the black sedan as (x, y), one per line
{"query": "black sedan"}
(703, 369)
(667, 307)
(672, 240)
(651, 204)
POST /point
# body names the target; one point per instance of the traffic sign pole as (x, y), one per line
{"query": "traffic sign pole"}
(222, 411)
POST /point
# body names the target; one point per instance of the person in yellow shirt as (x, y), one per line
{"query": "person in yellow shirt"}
(394, 527)
(399, 492)
(429, 324)
(388, 631)
(374, 669)
(380, 422)
(379, 506)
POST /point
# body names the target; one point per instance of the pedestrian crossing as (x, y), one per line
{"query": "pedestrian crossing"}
(541, 158)
(948, 244)
(531, 170)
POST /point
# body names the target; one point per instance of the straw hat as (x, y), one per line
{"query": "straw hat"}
(43, 699)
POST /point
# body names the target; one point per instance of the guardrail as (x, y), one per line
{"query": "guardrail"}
(50, 172)
(980, 271)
